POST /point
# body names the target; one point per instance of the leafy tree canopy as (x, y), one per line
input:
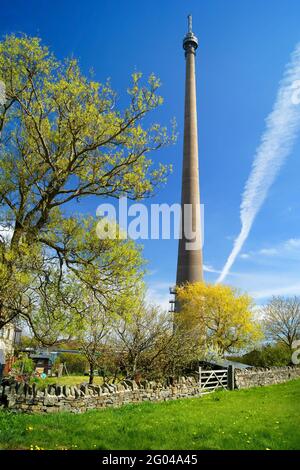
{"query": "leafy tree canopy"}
(64, 138)
(224, 317)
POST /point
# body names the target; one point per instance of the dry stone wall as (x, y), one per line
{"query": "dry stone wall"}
(28, 398)
(54, 398)
(255, 377)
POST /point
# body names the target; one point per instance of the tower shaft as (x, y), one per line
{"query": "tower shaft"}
(189, 266)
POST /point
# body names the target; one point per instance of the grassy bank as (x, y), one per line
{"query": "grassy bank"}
(259, 418)
(66, 380)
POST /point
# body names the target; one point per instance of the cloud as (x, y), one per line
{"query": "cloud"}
(282, 126)
(287, 290)
(263, 284)
(210, 269)
(155, 297)
(262, 252)
(292, 243)
(158, 294)
(282, 250)
(6, 233)
(244, 256)
(268, 252)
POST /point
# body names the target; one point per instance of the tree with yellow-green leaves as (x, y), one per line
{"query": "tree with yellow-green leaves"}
(64, 138)
(223, 317)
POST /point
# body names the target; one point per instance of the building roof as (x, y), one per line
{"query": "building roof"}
(40, 356)
(225, 363)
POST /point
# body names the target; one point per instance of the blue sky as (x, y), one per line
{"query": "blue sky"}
(243, 48)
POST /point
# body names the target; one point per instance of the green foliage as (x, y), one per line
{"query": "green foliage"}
(260, 418)
(271, 355)
(26, 342)
(76, 363)
(55, 365)
(23, 365)
(63, 137)
(67, 125)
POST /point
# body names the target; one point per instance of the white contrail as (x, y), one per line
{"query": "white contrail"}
(282, 126)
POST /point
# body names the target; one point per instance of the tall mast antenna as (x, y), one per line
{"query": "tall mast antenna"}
(190, 23)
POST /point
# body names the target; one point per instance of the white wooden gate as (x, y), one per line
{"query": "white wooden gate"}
(211, 380)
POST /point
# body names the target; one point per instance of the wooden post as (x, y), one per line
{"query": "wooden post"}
(60, 370)
(200, 376)
(230, 378)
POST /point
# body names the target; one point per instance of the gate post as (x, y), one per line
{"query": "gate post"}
(200, 377)
(230, 378)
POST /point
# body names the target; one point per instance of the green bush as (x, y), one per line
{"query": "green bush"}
(23, 365)
(55, 365)
(75, 363)
(271, 355)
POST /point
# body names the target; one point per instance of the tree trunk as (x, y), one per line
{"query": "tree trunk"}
(91, 377)
(134, 365)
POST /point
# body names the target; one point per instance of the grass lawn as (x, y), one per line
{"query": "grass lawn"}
(68, 380)
(258, 418)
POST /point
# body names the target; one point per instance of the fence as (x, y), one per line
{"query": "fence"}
(211, 380)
